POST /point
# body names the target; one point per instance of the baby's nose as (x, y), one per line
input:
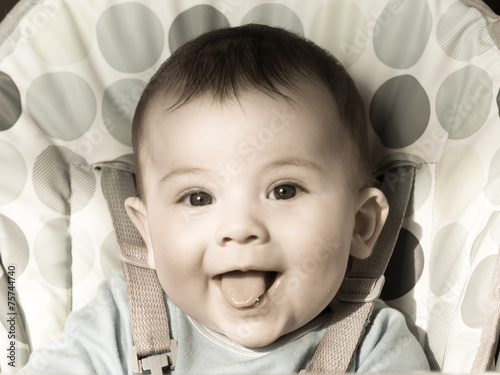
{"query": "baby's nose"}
(242, 226)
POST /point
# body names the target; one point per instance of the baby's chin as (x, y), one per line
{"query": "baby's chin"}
(254, 337)
(259, 340)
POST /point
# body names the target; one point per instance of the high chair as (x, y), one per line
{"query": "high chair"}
(72, 71)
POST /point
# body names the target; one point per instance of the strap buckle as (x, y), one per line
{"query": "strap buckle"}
(360, 298)
(154, 363)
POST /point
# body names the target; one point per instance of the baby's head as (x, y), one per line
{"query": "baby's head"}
(253, 180)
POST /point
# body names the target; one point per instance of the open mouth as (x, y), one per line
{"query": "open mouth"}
(244, 290)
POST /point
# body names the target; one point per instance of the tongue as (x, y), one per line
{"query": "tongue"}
(243, 289)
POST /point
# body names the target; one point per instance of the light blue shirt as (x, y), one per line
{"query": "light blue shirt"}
(97, 339)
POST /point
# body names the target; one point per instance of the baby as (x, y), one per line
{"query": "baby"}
(251, 161)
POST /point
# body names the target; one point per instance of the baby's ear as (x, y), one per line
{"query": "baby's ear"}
(370, 218)
(137, 213)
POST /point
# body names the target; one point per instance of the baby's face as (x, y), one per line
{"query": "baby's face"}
(250, 213)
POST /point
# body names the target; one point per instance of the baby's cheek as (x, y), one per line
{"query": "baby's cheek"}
(179, 273)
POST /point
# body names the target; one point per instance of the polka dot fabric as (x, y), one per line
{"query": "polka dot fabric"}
(71, 73)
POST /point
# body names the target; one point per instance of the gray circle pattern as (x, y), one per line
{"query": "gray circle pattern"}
(118, 106)
(274, 15)
(13, 171)
(446, 255)
(193, 22)
(405, 267)
(464, 40)
(463, 102)
(63, 180)
(398, 23)
(400, 111)
(13, 238)
(62, 104)
(10, 102)
(130, 37)
(476, 295)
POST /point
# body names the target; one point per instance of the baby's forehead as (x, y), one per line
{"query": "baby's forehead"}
(250, 125)
(269, 114)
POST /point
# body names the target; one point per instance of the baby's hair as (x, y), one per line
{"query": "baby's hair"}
(225, 62)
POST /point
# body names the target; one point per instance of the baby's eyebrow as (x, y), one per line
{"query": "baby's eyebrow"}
(180, 172)
(293, 161)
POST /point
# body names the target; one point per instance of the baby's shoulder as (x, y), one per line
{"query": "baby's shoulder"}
(388, 344)
(386, 322)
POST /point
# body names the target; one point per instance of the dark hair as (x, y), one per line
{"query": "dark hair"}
(225, 62)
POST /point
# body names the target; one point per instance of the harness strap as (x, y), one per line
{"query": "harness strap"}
(153, 349)
(363, 283)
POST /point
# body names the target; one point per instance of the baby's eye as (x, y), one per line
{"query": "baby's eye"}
(285, 191)
(198, 199)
